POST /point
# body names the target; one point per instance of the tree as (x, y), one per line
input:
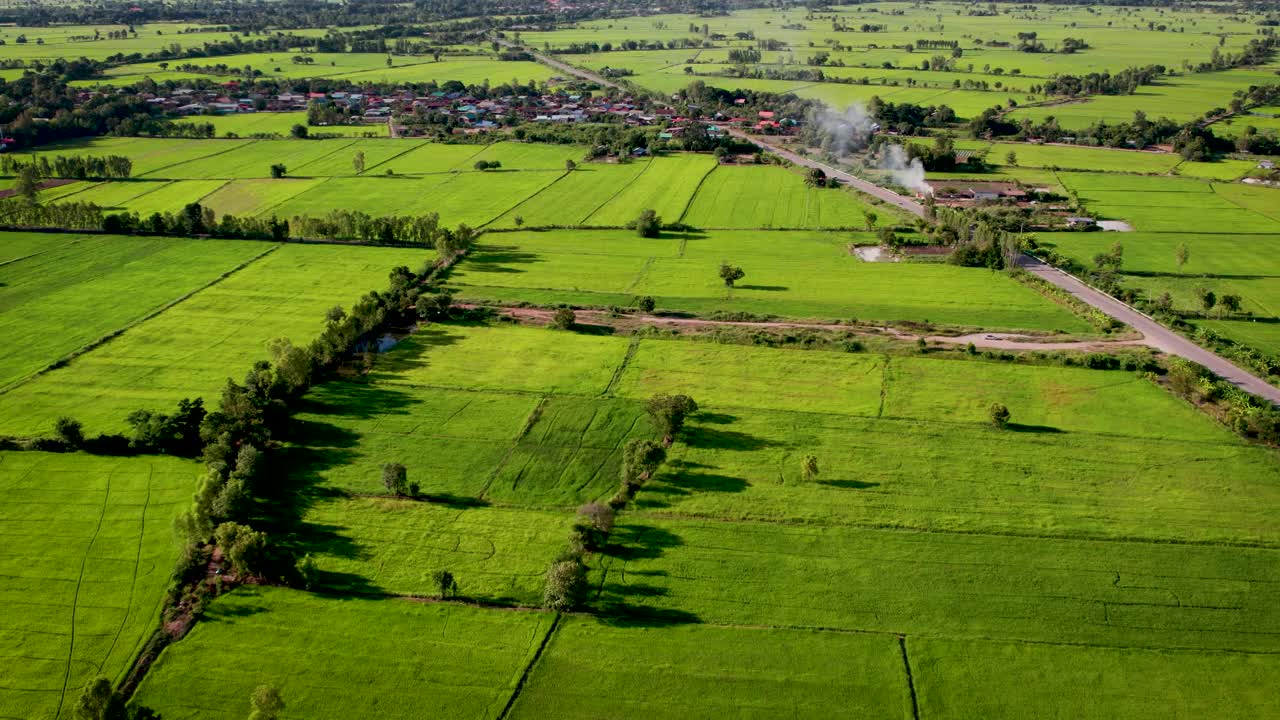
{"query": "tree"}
(278, 170)
(27, 184)
(599, 515)
(731, 274)
(566, 585)
(395, 478)
(308, 571)
(265, 703)
(648, 225)
(519, 220)
(1182, 255)
(999, 415)
(1230, 303)
(869, 218)
(570, 166)
(816, 178)
(445, 583)
(1011, 158)
(243, 547)
(357, 162)
(647, 303)
(669, 413)
(809, 467)
(98, 701)
(71, 432)
(434, 306)
(299, 131)
(1207, 299)
(564, 319)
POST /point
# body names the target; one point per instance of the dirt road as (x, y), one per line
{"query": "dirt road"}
(988, 341)
(1154, 334)
(564, 67)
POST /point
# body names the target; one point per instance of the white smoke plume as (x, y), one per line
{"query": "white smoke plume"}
(845, 132)
(909, 175)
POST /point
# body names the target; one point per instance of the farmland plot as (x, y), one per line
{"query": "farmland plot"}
(666, 187)
(591, 670)
(408, 659)
(151, 156)
(192, 348)
(257, 196)
(279, 123)
(88, 551)
(791, 274)
(769, 197)
(255, 158)
(571, 199)
(52, 303)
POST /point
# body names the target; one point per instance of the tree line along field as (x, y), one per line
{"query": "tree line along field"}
(789, 274)
(909, 546)
(88, 553)
(353, 67)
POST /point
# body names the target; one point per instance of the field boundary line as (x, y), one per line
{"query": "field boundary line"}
(884, 386)
(531, 195)
(75, 599)
(886, 527)
(696, 189)
(161, 184)
(539, 191)
(411, 147)
(534, 416)
(911, 681)
(528, 669)
(234, 146)
(325, 156)
(37, 254)
(622, 367)
(65, 359)
(207, 195)
(281, 201)
(644, 270)
(614, 196)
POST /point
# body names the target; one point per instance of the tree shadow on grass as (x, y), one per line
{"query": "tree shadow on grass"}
(639, 542)
(1021, 428)
(498, 259)
(686, 483)
(590, 329)
(764, 288)
(713, 439)
(626, 605)
(849, 484)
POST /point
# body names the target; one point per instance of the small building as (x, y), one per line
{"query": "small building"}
(1267, 165)
(1075, 221)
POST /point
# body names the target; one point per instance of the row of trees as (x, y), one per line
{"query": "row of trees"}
(79, 167)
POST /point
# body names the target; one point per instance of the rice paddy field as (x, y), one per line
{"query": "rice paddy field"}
(790, 274)
(190, 349)
(1112, 552)
(910, 557)
(88, 549)
(278, 123)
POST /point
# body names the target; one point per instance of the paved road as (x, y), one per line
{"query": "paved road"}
(1154, 334)
(856, 183)
(563, 67)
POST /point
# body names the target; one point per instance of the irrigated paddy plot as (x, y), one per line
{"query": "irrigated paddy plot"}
(192, 348)
(88, 549)
(410, 659)
(770, 198)
(790, 274)
(55, 302)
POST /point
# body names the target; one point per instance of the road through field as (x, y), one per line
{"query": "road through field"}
(1155, 334)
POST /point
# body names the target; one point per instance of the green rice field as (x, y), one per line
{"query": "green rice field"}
(88, 552)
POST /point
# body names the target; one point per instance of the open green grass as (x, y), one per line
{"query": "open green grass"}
(770, 197)
(18, 245)
(155, 157)
(257, 196)
(408, 659)
(554, 451)
(793, 274)
(255, 158)
(573, 198)
(1016, 680)
(591, 670)
(279, 123)
(88, 550)
(88, 286)
(1082, 158)
(962, 586)
(666, 186)
(192, 348)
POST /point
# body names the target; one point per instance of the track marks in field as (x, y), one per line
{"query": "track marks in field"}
(75, 599)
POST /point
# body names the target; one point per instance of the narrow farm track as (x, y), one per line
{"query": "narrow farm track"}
(1154, 334)
(991, 341)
